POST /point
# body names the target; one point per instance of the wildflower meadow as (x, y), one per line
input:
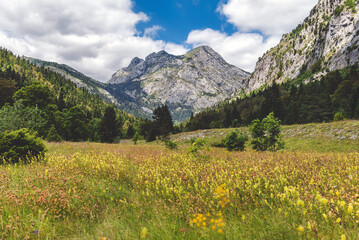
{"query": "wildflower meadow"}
(146, 191)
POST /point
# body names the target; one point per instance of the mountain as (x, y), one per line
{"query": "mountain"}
(327, 40)
(187, 83)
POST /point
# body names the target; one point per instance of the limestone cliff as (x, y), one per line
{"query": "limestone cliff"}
(327, 40)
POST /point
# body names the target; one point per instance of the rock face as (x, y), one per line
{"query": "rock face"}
(326, 40)
(187, 83)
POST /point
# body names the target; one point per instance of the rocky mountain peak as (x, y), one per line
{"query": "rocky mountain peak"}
(135, 62)
(204, 53)
(187, 83)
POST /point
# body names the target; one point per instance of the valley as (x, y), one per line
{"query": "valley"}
(181, 144)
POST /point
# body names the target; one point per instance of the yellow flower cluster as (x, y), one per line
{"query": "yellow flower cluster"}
(221, 195)
(208, 222)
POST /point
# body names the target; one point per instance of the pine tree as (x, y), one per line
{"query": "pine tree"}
(109, 126)
(163, 120)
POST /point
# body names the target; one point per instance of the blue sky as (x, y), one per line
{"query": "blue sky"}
(178, 18)
(98, 37)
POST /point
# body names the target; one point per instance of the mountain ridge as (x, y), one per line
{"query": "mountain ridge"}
(186, 83)
(327, 40)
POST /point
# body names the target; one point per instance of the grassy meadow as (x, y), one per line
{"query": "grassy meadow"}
(145, 191)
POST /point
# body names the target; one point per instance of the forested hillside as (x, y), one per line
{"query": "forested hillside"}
(292, 102)
(47, 102)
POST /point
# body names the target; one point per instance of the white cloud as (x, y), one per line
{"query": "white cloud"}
(271, 17)
(152, 31)
(95, 37)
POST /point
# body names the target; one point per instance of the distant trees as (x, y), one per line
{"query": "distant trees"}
(75, 124)
(18, 116)
(36, 94)
(109, 126)
(7, 89)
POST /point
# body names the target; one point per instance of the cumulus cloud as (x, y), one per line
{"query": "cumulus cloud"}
(260, 25)
(271, 17)
(95, 37)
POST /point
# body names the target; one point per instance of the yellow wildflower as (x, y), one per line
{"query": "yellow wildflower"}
(300, 228)
(144, 232)
(350, 208)
(300, 203)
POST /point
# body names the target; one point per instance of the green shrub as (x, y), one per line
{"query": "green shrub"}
(338, 117)
(350, 4)
(197, 146)
(20, 145)
(235, 142)
(338, 10)
(266, 134)
(199, 149)
(170, 145)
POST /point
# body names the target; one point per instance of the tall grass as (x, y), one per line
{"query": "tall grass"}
(109, 191)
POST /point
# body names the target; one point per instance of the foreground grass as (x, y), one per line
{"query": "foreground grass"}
(103, 191)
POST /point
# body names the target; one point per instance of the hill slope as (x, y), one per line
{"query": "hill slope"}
(340, 136)
(66, 108)
(81, 80)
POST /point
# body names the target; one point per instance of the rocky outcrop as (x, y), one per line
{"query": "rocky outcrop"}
(327, 40)
(187, 83)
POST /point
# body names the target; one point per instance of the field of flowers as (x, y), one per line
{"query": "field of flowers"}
(126, 191)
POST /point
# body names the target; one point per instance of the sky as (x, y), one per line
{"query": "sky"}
(98, 37)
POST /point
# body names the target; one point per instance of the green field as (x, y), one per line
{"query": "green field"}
(309, 190)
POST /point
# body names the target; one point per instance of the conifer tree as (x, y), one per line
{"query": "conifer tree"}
(109, 126)
(163, 120)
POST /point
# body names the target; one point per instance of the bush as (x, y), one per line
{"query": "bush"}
(234, 141)
(170, 145)
(338, 117)
(198, 146)
(266, 134)
(20, 145)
